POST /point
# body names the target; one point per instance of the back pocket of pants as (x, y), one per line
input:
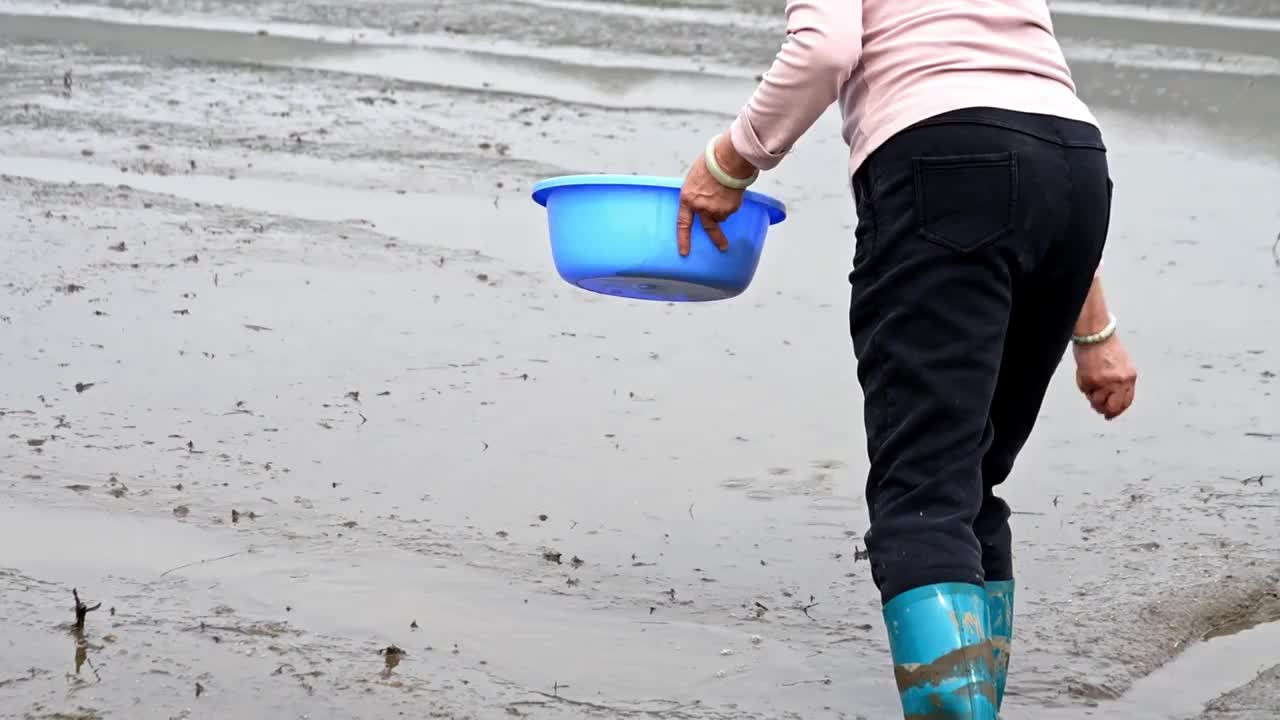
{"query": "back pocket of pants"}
(966, 202)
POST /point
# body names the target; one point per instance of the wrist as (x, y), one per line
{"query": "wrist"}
(731, 161)
(1092, 320)
(1096, 336)
(1094, 313)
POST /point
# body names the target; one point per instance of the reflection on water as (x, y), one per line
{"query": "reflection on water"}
(82, 652)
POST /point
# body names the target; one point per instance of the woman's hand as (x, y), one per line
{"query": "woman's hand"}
(702, 195)
(1106, 376)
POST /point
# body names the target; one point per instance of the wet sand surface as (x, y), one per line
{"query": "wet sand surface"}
(290, 381)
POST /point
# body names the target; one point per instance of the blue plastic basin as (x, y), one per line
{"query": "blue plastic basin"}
(616, 235)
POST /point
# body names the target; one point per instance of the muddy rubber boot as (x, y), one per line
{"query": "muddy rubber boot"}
(942, 656)
(1000, 612)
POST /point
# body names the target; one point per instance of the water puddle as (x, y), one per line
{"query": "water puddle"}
(36, 20)
(612, 87)
(1201, 673)
(715, 17)
(575, 76)
(1175, 34)
(727, 18)
(604, 77)
(76, 546)
(1168, 15)
(399, 215)
(1178, 59)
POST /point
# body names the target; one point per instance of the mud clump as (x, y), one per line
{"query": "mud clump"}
(1164, 629)
(1256, 700)
(1217, 611)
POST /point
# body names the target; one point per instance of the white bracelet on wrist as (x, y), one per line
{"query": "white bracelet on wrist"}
(722, 177)
(1101, 336)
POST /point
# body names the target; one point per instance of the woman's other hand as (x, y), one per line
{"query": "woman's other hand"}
(1107, 377)
(1104, 372)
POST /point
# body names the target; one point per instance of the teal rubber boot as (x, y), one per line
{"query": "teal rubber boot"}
(1000, 612)
(942, 656)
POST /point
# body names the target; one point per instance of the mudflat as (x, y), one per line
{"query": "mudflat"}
(292, 390)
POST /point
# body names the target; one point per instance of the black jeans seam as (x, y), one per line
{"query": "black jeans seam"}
(868, 204)
(882, 383)
(1071, 190)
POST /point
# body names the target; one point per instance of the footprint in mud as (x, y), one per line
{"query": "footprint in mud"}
(837, 504)
(782, 482)
(747, 484)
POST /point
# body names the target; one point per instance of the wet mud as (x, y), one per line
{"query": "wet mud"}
(956, 663)
(1256, 701)
(293, 392)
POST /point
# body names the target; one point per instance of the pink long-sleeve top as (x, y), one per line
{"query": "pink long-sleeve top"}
(892, 63)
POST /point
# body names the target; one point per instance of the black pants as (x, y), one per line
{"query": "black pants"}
(978, 235)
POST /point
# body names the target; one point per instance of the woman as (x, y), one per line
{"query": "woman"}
(983, 202)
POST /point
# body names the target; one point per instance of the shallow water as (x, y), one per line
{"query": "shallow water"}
(333, 313)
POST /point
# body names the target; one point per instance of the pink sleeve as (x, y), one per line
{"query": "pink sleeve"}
(823, 45)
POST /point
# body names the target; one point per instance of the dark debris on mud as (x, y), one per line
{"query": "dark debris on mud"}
(82, 609)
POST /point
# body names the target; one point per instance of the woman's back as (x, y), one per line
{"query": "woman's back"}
(892, 63)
